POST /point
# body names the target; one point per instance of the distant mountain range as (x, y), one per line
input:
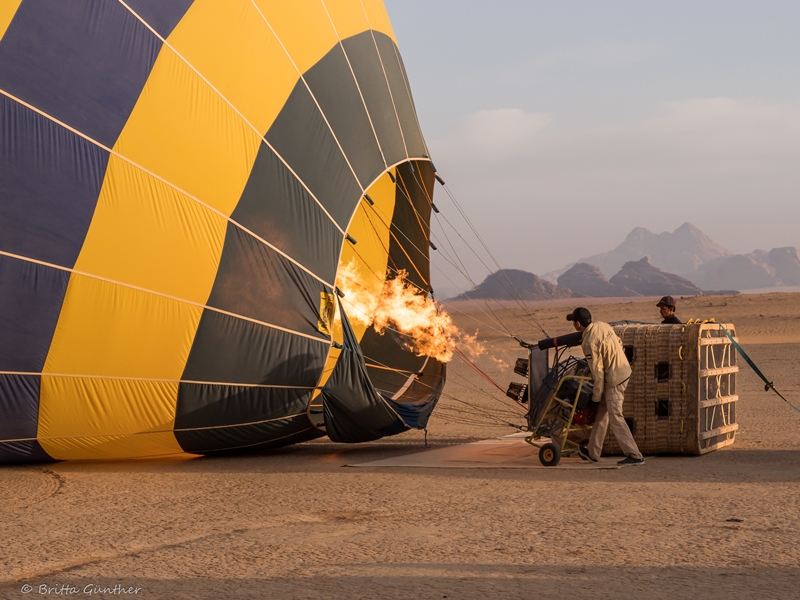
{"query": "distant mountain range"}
(684, 262)
(683, 252)
(635, 278)
(759, 269)
(511, 284)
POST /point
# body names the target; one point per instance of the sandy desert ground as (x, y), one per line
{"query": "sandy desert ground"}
(297, 523)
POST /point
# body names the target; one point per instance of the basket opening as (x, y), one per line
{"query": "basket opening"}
(662, 408)
(630, 353)
(662, 371)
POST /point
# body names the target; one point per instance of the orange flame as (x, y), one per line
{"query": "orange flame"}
(397, 305)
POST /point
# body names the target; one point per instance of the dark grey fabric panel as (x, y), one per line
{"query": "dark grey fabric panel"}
(401, 93)
(411, 225)
(388, 350)
(354, 410)
(19, 414)
(203, 405)
(278, 209)
(256, 282)
(31, 296)
(83, 62)
(363, 55)
(334, 87)
(19, 406)
(22, 453)
(248, 438)
(430, 383)
(50, 179)
(161, 15)
(301, 136)
(231, 350)
(426, 386)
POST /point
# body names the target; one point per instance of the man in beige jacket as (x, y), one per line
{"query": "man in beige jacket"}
(610, 371)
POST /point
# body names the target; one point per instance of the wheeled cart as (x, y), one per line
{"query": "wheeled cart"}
(562, 412)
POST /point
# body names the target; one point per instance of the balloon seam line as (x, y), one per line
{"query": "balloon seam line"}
(236, 110)
(164, 181)
(162, 295)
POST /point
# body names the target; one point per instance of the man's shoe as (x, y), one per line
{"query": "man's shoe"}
(629, 460)
(584, 454)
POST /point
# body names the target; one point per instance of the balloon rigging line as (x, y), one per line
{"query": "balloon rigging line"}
(394, 269)
(424, 291)
(522, 305)
(488, 251)
(475, 367)
(383, 368)
(493, 275)
(163, 295)
(422, 383)
(498, 412)
(424, 255)
(397, 272)
(445, 255)
(461, 355)
(505, 408)
(236, 110)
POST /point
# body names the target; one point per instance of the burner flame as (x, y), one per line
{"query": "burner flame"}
(395, 304)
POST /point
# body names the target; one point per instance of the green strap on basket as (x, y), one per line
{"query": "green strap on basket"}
(768, 385)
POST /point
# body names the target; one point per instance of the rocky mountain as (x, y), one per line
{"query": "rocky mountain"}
(786, 262)
(759, 269)
(648, 280)
(502, 285)
(589, 280)
(683, 251)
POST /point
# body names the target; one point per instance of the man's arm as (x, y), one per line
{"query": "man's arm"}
(598, 371)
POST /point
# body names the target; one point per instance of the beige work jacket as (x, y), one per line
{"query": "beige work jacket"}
(606, 357)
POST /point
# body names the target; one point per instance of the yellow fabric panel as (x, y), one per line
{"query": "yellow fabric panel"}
(184, 132)
(114, 331)
(370, 228)
(330, 363)
(348, 17)
(378, 17)
(370, 255)
(303, 27)
(147, 234)
(82, 418)
(8, 8)
(229, 43)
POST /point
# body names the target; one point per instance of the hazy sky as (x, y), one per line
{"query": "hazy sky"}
(560, 126)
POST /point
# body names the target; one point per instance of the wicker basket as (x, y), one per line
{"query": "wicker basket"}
(682, 393)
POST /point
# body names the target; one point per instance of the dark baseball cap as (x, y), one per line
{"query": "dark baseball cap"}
(667, 301)
(581, 315)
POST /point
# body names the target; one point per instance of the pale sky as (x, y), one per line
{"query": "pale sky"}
(560, 126)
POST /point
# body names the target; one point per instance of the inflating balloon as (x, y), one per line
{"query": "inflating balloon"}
(182, 186)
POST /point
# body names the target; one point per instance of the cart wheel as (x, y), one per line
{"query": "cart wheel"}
(549, 455)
